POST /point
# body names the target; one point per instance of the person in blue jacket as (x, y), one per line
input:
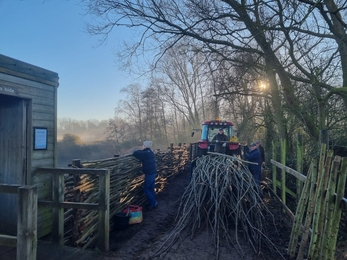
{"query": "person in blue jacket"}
(149, 168)
(254, 167)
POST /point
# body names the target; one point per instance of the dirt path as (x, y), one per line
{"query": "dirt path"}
(133, 242)
(142, 241)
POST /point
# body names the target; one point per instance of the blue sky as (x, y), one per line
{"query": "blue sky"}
(51, 34)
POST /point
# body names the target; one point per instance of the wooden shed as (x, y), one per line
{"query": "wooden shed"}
(28, 134)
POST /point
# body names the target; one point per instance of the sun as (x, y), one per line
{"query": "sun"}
(262, 85)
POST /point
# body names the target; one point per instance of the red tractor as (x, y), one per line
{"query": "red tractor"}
(209, 131)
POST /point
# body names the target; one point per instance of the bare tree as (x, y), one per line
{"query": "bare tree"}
(295, 46)
(184, 83)
(131, 107)
(154, 115)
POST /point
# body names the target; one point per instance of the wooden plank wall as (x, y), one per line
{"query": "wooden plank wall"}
(39, 87)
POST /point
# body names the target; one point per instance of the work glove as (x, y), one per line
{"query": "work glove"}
(225, 144)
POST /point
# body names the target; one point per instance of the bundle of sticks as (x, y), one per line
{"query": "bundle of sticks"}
(126, 181)
(222, 196)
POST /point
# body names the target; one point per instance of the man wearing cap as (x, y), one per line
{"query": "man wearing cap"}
(220, 140)
(255, 166)
(149, 168)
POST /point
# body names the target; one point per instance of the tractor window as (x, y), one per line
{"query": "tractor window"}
(213, 131)
(231, 131)
(226, 132)
(209, 131)
(204, 132)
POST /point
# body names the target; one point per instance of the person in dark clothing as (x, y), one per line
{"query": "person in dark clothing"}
(149, 168)
(220, 140)
(255, 166)
(262, 152)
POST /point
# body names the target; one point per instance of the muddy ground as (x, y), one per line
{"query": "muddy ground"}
(146, 240)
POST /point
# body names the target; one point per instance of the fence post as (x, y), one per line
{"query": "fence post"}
(274, 169)
(299, 164)
(324, 137)
(76, 163)
(57, 211)
(27, 223)
(104, 211)
(283, 172)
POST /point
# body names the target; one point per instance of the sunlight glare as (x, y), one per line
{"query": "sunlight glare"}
(262, 85)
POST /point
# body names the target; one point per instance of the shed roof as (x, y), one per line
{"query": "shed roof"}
(28, 71)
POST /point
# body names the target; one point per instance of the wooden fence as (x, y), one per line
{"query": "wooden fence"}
(58, 204)
(126, 188)
(26, 239)
(85, 198)
(319, 209)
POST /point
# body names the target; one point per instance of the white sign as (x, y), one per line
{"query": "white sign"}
(40, 138)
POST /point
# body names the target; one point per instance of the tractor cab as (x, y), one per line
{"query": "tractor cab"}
(209, 130)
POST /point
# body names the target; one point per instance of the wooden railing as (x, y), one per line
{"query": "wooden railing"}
(58, 204)
(26, 239)
(300, 177)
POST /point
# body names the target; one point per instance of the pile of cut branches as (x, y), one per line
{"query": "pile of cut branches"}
(126, 188)
(223, 197)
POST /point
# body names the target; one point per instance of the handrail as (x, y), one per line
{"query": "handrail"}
(303, 178)
(9, 188)
(293, 172)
